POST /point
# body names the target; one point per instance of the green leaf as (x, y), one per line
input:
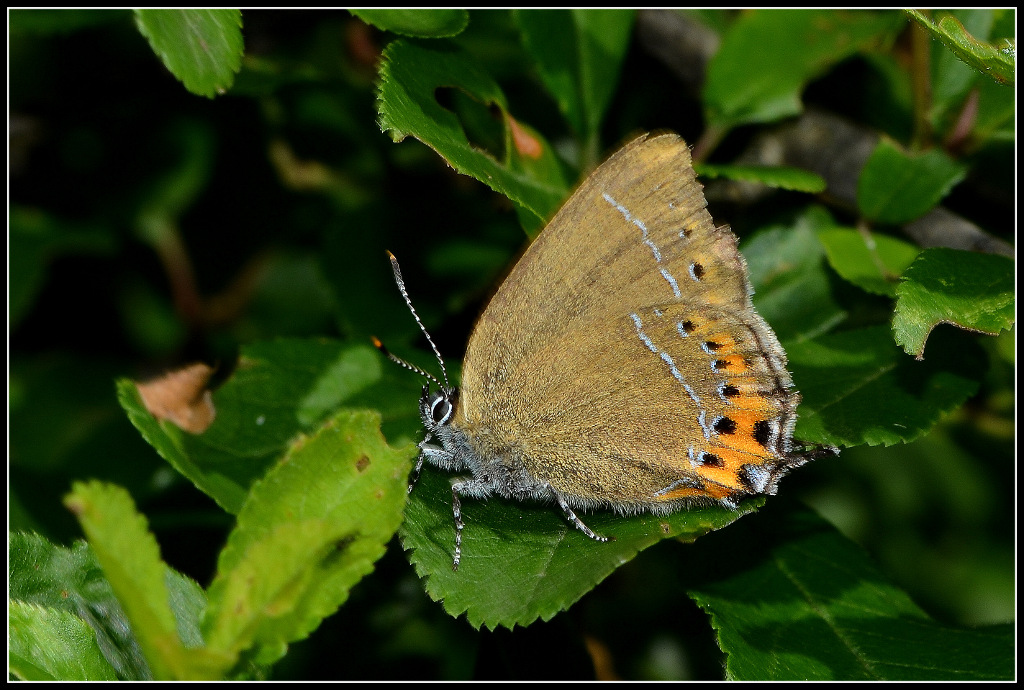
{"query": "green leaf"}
(311, 529)
(799, 601)
(781, 177)
(579, 55)
(973, 291)
(71, 580)
(768, 56)
(896, 187)
(202, 48)
(858, 387)
(410, 76)
(792, 283)
(871, 261)
(951, 78)
(130, 559)
(417, 23)
(278, 390)
(51, 644)
(997, 61)
(524, 561)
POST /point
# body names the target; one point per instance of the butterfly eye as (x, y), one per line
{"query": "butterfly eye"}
(440, 409)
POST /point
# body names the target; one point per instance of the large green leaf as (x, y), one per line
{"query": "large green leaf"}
(790, 598)
(768, 56)
(865, 390)
(966, 289)
(872, 262)
(524, 561)
(897, 187)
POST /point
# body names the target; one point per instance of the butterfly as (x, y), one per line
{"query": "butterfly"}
(621, 363)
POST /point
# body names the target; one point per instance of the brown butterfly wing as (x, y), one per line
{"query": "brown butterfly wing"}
(621, 360)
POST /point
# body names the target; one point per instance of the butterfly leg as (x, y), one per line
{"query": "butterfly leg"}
(424, 451)
(482, 487)
(574, 519)
(476, 487)
(437, 455)
(415, 476)
(459, 524)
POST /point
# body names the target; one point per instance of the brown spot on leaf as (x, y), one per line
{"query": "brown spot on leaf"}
(181, 397)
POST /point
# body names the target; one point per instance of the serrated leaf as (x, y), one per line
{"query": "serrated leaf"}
(201, 48)
(311, 529)
(279, 389)
(871, 261)
(51, 644)
(996, 61)
(417, 23)
(130, 559)
(71, 580)
(524, 561)
(411, 74)
(275, 594)
(579, 55)
(966, 289)
(780, 177)
(800, 601)
(896, 187)
(865, 390)
(768, 56)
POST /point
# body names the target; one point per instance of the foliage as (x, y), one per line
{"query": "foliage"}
(176, 196)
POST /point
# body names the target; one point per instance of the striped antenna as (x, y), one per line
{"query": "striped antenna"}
(398, 360)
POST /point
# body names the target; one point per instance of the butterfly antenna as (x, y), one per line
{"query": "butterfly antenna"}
(401, 362)
(437, 353)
